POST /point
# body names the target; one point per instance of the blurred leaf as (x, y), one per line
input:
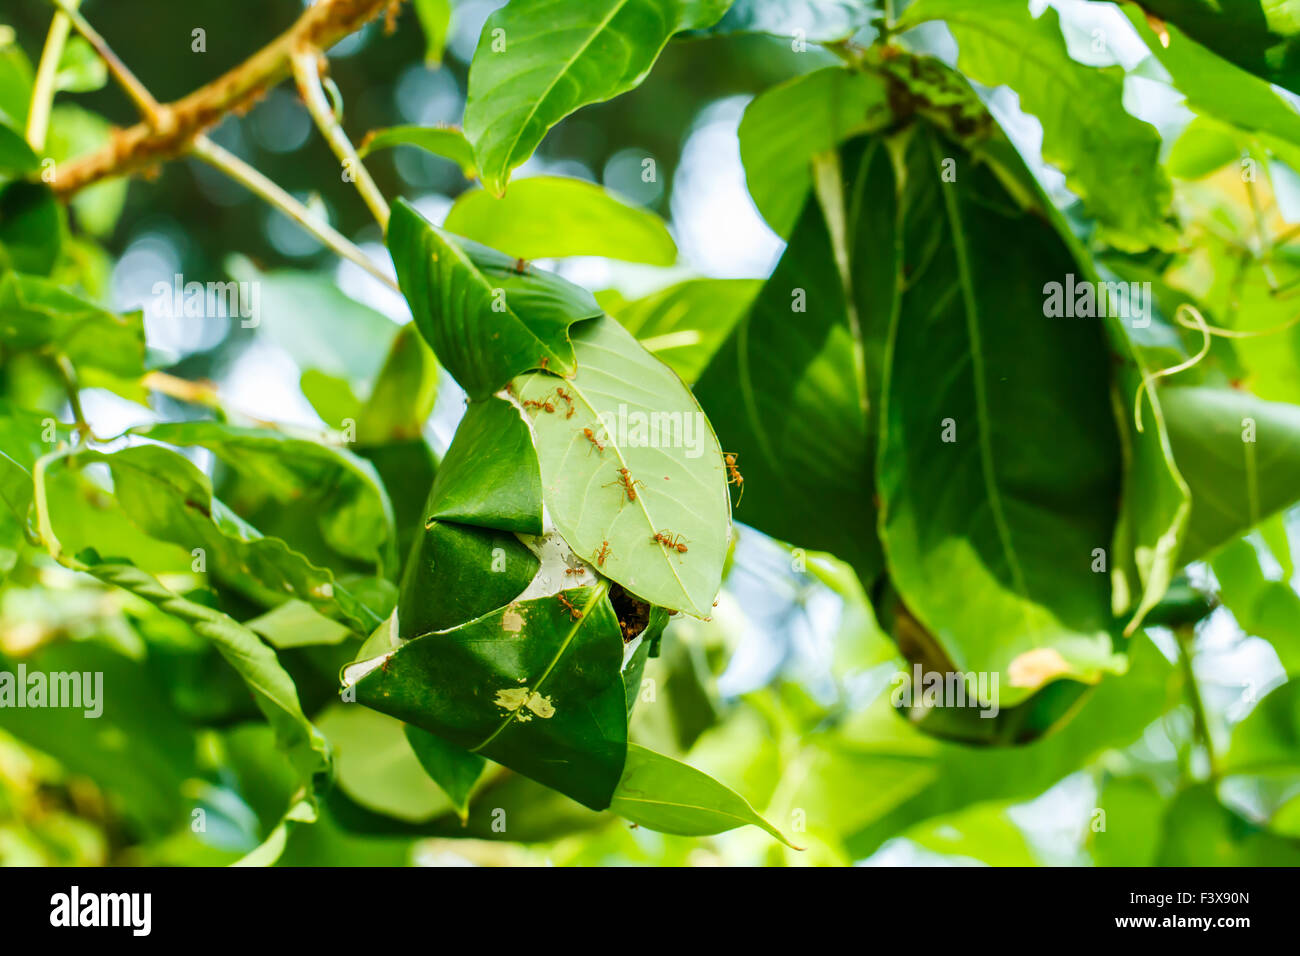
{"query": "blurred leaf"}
(170, 499)
(296, 624)
(1263, 608)
(137, 747)
(1257, 35)
(73, 132)
(445, 141)
(36, 315)
(435, 17)
(271, 686)
(785, 126)
(1240, 456)
(1268, 740)
(308, 316)
(353, 512)
(454, 769)
(1127, 833)
(663, 794)
(331, 397)
(983, 833)
(375, 766)
(1215, 87)
(403, 395)
(31, 228)
(1200, 831)
(537, 63)
(1204, 147)
(685, 324)
(1110, 159)
(486, 320)
(80, 69)
(553, 217)
(650, 425)
(15, 86)
(16, 157)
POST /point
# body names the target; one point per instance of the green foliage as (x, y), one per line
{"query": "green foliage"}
(526, 627)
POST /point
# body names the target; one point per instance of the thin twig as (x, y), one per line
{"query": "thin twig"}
(246, 175)
(141, 97)
(38, 113)
(306, 73)
(129, 150)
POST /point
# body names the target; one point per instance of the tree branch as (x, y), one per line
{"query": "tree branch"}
(180, 123)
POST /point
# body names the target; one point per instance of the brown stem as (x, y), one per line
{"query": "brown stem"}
(179, 123)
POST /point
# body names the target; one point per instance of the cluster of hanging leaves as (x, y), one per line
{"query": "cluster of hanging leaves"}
(1011, 493)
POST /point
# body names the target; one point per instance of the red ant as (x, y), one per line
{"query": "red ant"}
(595, 442)
(628, 484)
(602, 553)
(533, 403)
(568, 606)
(568, 399)
(521, 266)
(734, 476)
(671, 540)
(574, 571)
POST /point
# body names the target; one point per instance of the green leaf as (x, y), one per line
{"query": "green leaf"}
(1125, 829)
(1268, 740)
(537, 62)
(15, 86)
(297, 624)
(352, 510)
(374, 765)
(526, 685)
(80, 68)
(685, 324)
(664, 794)
(650, 424)
(36, 315)
(553, 216)
(170, 499)
(321, 328)
(978, 380)
(16, 157)
(1114, 714)
(1240, 456)
(459, 572)
(489, 476)
(1110, 159)
(270, 684)
(445, 141)
(786, 392)
(138, 748)
(785, 126)
(31, 228)
(1214, 87)
(486, 320)
(331, 397)
(435, 20)
(404, 392)
(1258, 35)
(1200, 831)
(454, 769)
(1263, 608)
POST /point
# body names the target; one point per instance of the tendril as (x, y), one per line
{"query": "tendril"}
(1197, 322)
